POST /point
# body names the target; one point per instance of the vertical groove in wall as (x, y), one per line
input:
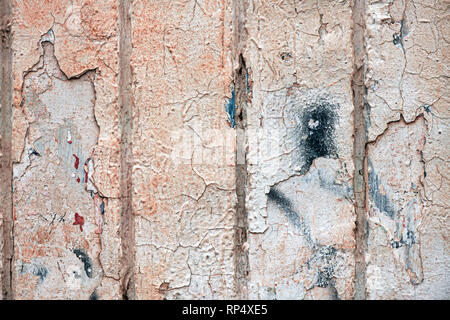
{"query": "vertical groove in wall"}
(5, 148)
(241, 222)
(359, 146)
(240, 81)
(126, 149)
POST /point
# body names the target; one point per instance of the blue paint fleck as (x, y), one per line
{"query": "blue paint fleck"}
(35, 269)
(230, 109)
(381, 200)
(246, 81)
(102, 208)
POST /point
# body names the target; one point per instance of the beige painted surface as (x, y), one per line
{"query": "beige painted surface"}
(408, 192)
(300, 167)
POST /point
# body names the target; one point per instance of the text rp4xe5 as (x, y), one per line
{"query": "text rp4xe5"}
(246, 309)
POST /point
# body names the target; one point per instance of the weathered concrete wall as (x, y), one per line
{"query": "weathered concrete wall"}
(183, 150)
(299, 161)
(65, 150)
(224, 149)
(407, 155)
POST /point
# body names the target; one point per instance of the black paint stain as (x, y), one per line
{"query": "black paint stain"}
(286, 206)
(381, 201)
(399, 38)
(408, 241)
(286, 56)
(86, 261)
(323, 261)
(324, 276)
(41, 272)
(34, 152)
(36, 270)
(315, 132)
(94, 295)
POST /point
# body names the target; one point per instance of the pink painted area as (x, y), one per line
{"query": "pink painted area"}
(98, 215)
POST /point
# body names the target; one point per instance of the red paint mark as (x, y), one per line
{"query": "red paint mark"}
(79, 220)
(69, 142)
(85, 172)
(77, 161)
(403, 222)
(78, 179)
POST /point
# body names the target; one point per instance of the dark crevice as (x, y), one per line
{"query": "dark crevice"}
(6, 209)
(242, 96)
(126, 151)
(241, 221)
(359, 147)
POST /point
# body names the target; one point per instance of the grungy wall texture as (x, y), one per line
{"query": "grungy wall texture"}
(299, 160)
(407, 153)
(183, 178)
(227, 149)
(65, 150)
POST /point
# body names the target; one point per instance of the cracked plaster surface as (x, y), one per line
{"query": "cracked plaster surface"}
(290, 72)
(407, 82)
(183, 153)
(300, 198)
(66, 103)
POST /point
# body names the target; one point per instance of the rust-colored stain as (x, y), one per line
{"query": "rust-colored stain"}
(41, 236)
(79, 220)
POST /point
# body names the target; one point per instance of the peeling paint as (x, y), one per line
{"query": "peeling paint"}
(333, 185)
(230, 109)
